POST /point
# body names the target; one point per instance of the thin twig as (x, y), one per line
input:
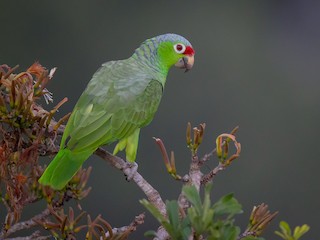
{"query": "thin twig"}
(209, 177)
(26, 224)
(246, 234)
(126, 230)
(34, 236)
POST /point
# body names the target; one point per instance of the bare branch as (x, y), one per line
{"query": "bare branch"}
(34, 236)
(195, 173)
(126, 230)
(26, 224)
(246, 234)
(162, 234)
(209, 177)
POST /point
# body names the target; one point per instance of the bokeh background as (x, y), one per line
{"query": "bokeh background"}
(257, 66)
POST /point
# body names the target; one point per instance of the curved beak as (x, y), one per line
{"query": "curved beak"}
(185, 62)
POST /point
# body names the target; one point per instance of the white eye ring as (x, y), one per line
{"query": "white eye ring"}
(179, 48)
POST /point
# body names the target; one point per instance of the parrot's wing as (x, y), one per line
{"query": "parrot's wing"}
(119, 99)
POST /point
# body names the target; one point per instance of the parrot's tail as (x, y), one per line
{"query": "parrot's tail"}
(62, 168)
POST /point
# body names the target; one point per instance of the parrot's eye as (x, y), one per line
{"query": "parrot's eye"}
(179, 48)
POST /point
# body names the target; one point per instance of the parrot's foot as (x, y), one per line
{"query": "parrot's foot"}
(130, 170)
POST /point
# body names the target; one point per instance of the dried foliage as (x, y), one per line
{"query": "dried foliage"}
(28, 131)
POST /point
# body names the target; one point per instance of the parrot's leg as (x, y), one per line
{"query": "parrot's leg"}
(131, 145)
(131, 153)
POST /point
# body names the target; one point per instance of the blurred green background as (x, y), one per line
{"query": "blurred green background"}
(257, 66)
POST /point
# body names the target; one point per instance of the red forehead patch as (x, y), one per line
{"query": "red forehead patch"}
(189, 51)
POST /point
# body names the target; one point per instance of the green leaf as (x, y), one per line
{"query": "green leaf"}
(207, 201)
(192, 195)
(232, 233)
(227, 205)
(153, 210)
(252, 238)
(195, 220)
(286, 232)
(280, 234)
(173, 213)
(150, 234)
(186, 228)
(299, 231)
(207, 218)
(284, 226)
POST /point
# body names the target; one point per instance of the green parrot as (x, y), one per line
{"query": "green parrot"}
(121, 98)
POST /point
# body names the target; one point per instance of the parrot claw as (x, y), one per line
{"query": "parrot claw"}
(130, 170)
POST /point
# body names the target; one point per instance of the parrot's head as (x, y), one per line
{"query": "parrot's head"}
(175, 50)
(167, 50)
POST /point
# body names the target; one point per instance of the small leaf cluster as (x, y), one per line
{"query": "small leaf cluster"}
(287, 234)
(176, 227)
(198, 132)
(212, 220)
(66, 225)
(202, 219)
